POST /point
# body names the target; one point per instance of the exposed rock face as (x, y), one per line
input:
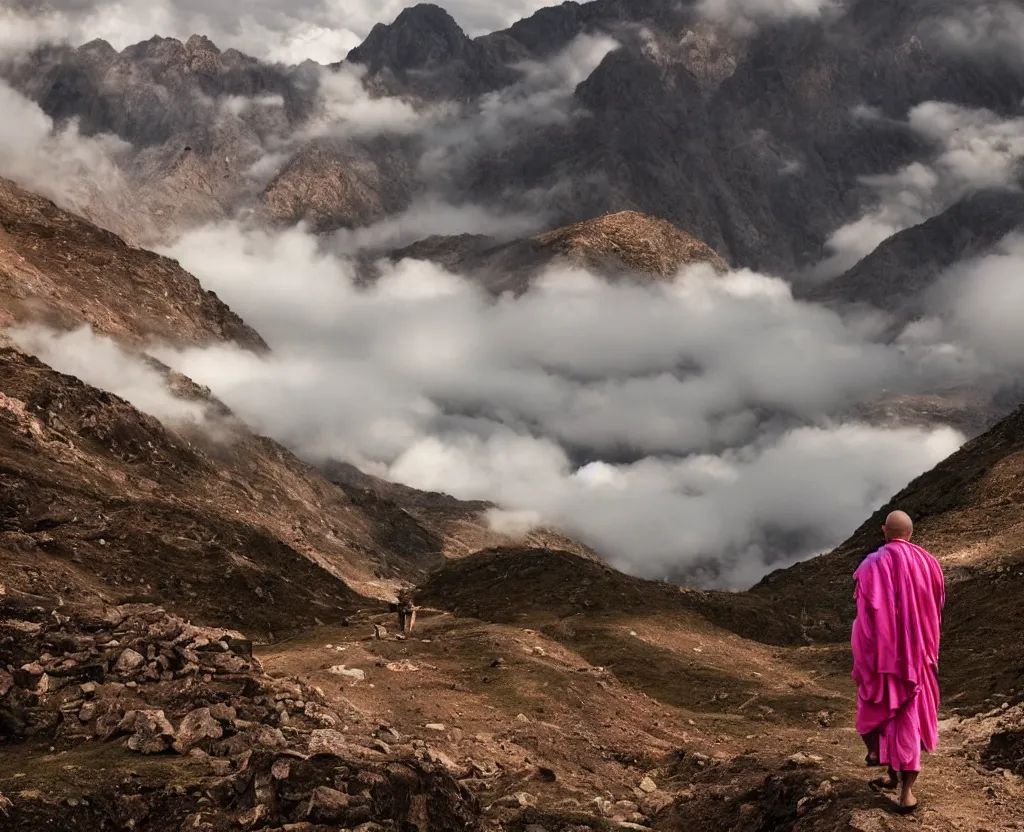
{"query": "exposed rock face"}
(748, 141)
(627, 244)
(196, 118)
(424, 52)
(332, 184)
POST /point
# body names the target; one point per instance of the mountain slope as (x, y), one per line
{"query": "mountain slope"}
(902, 272)
(614, 246)
(969, 513)
(199, 515)
(59, 269)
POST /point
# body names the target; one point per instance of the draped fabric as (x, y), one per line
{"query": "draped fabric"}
(900, 594)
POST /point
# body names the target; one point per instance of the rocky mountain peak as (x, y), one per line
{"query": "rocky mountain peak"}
(201, 43)
(426, 40)
(421, 37)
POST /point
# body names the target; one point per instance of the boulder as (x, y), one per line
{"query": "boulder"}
(327, 741)
(327, 806)
(151, 732)
(195, 728)
(129, 662)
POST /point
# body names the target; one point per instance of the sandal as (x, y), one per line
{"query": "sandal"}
(872, 762)
(906, 810)
(881, 785)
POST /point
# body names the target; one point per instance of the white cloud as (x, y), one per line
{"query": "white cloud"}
(98, 361)
(667, 425)
(984, 29)
(979, 308)
(60, 163)
(746, 15)
(974, 149)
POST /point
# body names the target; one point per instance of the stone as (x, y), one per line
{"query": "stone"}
(129, 662)
(803, 760)
(443, 760)
(88, 712)
(281, 769)
(253, 816)
(151, 732)
(327, 806)
(647, 785)
(327, 741)
(220, 768)
(353, 673)
(199, 725)
(89, 689)
(435, 726)
(387, 734)
(519, 800)
(223, 713)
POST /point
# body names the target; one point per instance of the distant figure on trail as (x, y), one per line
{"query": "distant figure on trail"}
(406, 612)
(900, 593)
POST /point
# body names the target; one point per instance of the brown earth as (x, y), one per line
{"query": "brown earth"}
(613, 246)
(59, 269)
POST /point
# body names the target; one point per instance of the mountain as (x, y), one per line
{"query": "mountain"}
(541, 689)
(901, 275)
(750, 139)
(58, 269)
(425, 53)
(104, 503)
(615, 245)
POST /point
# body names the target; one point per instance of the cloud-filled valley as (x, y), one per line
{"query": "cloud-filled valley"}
(707, 427)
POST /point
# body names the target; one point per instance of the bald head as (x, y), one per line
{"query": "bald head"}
(898, 526)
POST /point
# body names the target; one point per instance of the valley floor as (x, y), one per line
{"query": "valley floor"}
(678, 728)
(563, 723)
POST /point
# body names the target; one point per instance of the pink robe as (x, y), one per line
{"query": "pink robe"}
(900, 595)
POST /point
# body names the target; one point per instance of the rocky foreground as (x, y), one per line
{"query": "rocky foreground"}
(133, 718)
(260, 752)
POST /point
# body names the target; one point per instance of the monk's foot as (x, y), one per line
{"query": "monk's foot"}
(872, 761)
(907, 804)
(906, 808)
(884, 785)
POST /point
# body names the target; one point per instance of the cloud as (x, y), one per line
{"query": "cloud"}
(60, 163)
(746, 15)
(983, 29)
(98, 361)
(669, 426)
(974, 150)
(977, 310)
(318, 30)
(496, 121)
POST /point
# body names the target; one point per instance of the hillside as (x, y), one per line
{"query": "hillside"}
(969, 513)
(614, 245)
(201, 516)
(198, 628)
(58, 269)
(903, 273)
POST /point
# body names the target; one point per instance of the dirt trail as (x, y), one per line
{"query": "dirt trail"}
(537, 728)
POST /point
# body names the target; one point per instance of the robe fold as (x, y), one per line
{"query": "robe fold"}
(900, 594)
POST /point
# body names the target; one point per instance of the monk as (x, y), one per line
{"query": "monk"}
(900, 593)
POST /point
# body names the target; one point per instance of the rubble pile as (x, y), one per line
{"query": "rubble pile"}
(273, 751)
